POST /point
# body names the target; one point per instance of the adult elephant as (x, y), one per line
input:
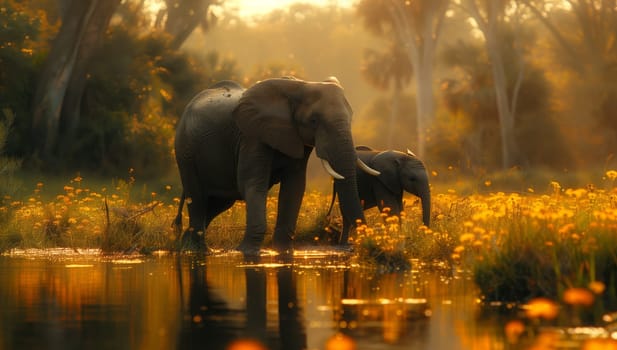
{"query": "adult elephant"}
(399, 172)
(235, 144)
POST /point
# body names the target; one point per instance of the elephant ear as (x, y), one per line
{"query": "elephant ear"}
(265, 113)
(389, 166)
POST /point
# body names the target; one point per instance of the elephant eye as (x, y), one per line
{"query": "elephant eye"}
(314, 120)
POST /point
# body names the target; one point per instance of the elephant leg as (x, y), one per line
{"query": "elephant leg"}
(344, 239)
(387, 199)
(293, 183)
(254, 167)
(217, 205)
(193, 237)
(255, 221)
(201, 214)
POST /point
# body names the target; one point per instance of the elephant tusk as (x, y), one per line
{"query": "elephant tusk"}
(411, 153)
(331, 171)
(367, 169)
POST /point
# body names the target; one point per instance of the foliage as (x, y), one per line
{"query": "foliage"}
(383, 244)
(136, 89)
(381, 69)
(129, 122)
(23, 31)
(80, 217)
(8, 182)
(7, 165)
(521, 247)
(470, 98)
(371, 129)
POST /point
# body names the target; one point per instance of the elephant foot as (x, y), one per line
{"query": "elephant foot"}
(345, 247)
(283, 244)
(193, 242)
(250, 247)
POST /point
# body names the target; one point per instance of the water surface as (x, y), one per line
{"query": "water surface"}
(65, 299)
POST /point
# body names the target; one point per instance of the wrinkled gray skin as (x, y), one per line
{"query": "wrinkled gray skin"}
(399, 172)
(235, 144)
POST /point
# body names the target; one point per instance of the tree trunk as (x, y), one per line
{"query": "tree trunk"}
(424, 104)
(506, 119)
(183, 17)
(490, 29)
(56, 74)
(419, 36)
(394, 111)
(93, 36)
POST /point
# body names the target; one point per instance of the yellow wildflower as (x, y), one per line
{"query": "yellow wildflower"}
(600, 344)
(467, 237)
(513, 330)
(578, 296)
(597, 287)
(541, 308)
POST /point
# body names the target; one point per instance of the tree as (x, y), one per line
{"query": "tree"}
(179, 18)
(83, 22)
(490, 17)
(385, 69)
(584, 34)
(415, 26)
(93, 36)
(60, 89)
(469, 97)
(589, 40)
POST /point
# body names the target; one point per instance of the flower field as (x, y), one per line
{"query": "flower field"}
(518, 246)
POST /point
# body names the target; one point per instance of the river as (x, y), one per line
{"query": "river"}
(68, 299)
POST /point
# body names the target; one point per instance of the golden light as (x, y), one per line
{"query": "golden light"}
(340, 342)
(513, 330)
(246, 344)
(597, 344)
(541, 308)
(578, 296)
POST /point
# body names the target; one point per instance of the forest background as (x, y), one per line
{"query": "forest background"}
(473, 87)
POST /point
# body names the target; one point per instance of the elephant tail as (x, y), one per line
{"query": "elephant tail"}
(177, 223)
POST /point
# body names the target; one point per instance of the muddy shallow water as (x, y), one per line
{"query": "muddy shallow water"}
(63, 299)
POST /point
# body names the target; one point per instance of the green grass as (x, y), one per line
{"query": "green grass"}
(519, 245)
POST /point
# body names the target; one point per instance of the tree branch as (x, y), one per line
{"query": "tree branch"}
(556, 34)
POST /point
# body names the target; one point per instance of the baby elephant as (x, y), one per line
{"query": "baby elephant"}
(399, 172)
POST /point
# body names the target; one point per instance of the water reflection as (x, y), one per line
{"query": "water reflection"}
(306, 301)
(208, 320)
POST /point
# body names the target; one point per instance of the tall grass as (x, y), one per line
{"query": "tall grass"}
(524, 246)
(519, 246)
(81, 217)
(8, 182)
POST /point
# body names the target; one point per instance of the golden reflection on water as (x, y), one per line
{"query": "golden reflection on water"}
(316, 300)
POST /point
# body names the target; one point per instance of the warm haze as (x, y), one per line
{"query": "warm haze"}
(249, 8)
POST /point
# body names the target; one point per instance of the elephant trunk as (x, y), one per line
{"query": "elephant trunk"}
(349, 201)
(342, 157)
(425, 198)
(347, 188)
